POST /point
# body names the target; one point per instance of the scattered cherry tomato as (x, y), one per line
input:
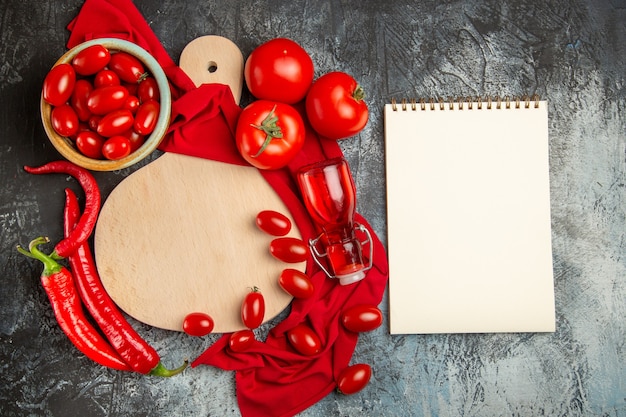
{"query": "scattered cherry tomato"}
(273, 222)
(59, 84)
(304, 340)
(89, 143)
(354, 378)
(146, 117)
(279, 70)
(91, 60)
(148, 89)
(289, 249)
(241, 340)
(269, 134)
(116, 147)
(253, 309)
(335, 106)
(115, 123)
(104, 100)
(127, 67)
(296, 283)
(64, 120)
(106, 78)
(79, 98)
(198, 324)
(362, 318)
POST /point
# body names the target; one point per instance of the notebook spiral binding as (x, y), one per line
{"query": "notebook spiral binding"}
(470, 102)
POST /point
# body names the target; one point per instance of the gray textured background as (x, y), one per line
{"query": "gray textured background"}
(571, 53)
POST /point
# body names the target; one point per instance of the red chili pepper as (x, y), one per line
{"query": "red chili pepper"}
(92, 204)
(134, 350)
(59, 285)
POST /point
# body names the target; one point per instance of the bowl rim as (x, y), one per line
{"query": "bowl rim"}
(64, 145)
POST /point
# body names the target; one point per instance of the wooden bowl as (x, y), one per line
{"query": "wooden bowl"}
(66, 147)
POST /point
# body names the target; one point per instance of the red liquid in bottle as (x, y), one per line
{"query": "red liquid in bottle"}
(330, 198)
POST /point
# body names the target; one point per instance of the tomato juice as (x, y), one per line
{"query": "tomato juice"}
(330, 198)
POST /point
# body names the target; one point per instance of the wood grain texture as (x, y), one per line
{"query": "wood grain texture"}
(178, 236)
(570, 52)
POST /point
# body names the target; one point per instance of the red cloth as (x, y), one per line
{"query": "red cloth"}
(272, 379)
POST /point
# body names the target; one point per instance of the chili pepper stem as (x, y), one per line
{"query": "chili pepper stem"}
(161, 370)
(50, 266)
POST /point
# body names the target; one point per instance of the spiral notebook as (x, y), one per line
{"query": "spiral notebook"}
(468, 210)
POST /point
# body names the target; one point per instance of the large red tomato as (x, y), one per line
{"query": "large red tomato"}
(269, 134)
(279, 70)
(335, 106)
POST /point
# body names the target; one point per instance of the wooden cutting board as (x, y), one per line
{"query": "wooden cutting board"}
(179, 235)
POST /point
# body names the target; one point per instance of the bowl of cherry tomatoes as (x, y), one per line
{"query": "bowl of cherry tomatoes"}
(106, 104)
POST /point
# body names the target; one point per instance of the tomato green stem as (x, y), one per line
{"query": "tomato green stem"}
(359, 93)
(271, 130)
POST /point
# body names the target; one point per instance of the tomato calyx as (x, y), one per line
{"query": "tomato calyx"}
(359, 93)
(271, 130)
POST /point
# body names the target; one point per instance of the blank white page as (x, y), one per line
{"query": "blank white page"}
(468, 213)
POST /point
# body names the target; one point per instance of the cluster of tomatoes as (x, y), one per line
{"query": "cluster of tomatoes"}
(280, 75)
(105, 102)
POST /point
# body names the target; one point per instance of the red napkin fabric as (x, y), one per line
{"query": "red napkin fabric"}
(272, 379)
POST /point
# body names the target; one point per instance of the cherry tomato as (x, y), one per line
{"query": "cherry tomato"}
(269, 134)
(104, 100)
(89, 143)
(148, 89)
(127, 67)
(273, 222)
(289, 249)
(296, 283)
(58, 84)
(93, 122)
(304, 340)
(136, 140)
(105, 78)
(132, 104)
(241, 340)
(115, 123)
(64, 120)
(146, 117)
(116, 147)
(79, 97)
(279, 70)
(82, 126)
(131, 87)
(253, 309)
(91, 60)
(362, 318)
(335, 106)
(198, 324)
(354, 378)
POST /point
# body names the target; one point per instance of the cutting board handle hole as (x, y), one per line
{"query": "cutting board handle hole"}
(212, 67)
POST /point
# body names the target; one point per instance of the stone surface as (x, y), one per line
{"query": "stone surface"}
(569, 52)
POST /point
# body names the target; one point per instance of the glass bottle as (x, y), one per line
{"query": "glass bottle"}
(330, 198)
